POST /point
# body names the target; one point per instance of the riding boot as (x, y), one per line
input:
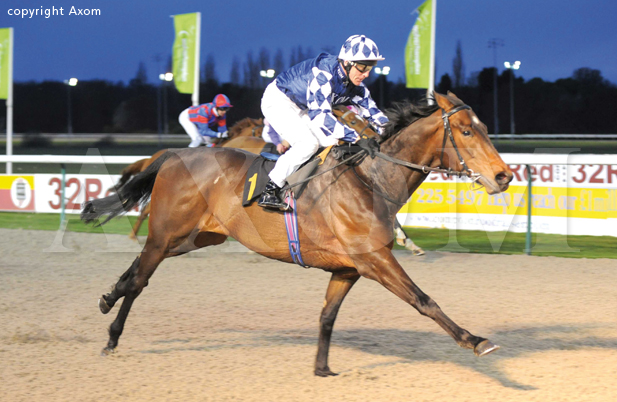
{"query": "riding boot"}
(270, 198)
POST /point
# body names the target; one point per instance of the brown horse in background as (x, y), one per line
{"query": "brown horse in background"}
(245, 128)
(345, 216)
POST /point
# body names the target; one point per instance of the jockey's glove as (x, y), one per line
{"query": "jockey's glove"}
(370, 145)
(222, 135)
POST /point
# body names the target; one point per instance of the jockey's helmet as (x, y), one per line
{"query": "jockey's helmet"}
(359, 48)
(221, 101)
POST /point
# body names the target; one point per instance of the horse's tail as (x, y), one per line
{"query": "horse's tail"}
(128, 172)
(135, 191)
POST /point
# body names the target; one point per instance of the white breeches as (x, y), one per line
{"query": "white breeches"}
(191, 129)
(293, 125)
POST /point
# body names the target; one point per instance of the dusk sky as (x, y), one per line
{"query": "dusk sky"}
(551, 38)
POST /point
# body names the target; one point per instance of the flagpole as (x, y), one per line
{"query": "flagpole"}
(9, 107)
(431, 76)
(195, 96)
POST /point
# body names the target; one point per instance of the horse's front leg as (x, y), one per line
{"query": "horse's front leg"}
(382, 267)
(339, 286)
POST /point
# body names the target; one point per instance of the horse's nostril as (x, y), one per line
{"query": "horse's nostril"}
(503, 177)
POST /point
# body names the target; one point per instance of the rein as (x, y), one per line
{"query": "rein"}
(358, 157)
(447, 133)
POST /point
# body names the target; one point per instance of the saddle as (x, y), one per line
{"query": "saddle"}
(257, 174)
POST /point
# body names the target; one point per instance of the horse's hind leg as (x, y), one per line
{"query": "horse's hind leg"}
(339, 286)
(130, 286)
(132, 282)
(142, 216)
(106, 302)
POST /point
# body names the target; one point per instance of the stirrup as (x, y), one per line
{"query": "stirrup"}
(272, 201)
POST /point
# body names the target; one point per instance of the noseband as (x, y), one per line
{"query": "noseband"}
(447, 133)
(255, 129)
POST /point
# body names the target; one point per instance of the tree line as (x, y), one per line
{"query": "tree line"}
(580, 104)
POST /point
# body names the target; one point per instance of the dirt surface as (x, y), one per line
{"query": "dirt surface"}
(224, 324)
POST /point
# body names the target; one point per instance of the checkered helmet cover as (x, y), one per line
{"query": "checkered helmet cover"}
(358, 48)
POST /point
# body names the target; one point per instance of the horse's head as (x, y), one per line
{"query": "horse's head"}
(246, 127)
(350, 118)
(465, 145)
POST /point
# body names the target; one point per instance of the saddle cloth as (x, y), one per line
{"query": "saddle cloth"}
(256, 179)
(257, 174)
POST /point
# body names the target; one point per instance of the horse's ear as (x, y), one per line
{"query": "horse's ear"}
(450, 93)
(443, 101)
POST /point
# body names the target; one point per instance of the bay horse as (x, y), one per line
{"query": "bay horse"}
(345, 216)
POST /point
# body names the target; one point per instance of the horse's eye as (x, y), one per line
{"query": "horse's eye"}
(466, 133)
(353, 122)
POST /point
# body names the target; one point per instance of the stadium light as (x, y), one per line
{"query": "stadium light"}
(512, 66)
(167, 77)
(269, 73)
(382, 71)
(71, 82)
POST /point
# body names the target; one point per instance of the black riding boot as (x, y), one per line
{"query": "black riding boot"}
(271, 198)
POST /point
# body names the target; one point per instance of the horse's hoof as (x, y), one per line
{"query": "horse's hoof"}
(103, 306)
(484, 348)
(324, 372)
(107, 351)
(417, 251)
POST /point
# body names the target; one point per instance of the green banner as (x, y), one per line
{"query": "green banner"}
(418, 49)
(183, 52)
(5, 52)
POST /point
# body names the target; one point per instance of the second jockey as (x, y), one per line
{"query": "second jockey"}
(298, 104)
(200, 122)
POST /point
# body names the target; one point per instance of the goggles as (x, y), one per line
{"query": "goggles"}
(363, 68)
(223, 109)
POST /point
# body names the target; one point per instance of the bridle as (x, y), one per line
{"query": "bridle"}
(255, 129)
(352, 123)
(447, 134)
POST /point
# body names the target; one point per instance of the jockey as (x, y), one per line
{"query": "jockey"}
(298, 104)
(199, 122)
(270, 135)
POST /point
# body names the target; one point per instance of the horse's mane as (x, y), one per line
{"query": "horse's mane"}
(402, 114)
(237, 128)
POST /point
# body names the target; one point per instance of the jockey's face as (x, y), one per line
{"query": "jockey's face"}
(222, 110)
(358, 72)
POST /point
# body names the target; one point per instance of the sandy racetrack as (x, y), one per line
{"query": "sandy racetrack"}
(223, 324)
